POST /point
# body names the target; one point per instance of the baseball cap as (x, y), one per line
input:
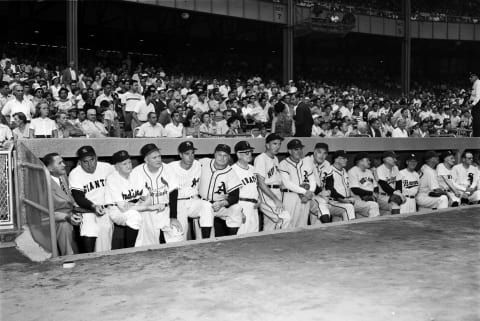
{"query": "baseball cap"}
(447, 153)
(321, 146)
(185, 147)
(85, 151)
(411, 157)
(223, 148)
(339, 153)
(389, 154)
(429, 154)
(272, 137)
(294, 144)
(361, 156)
(147, 149)
(242, 146)
(120, 156)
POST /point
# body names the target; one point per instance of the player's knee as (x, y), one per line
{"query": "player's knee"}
(442, 202)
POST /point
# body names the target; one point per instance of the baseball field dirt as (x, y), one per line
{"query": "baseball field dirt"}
(416, 268)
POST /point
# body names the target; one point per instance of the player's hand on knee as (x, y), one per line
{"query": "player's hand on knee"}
(174, 223)
(99, 210)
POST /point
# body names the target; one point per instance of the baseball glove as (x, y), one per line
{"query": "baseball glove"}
(436, 193)
(368, 198)
(394, 198)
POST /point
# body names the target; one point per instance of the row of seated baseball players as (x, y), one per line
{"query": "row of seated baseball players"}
(154, 201)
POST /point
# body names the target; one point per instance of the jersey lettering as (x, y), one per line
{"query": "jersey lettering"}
(93, 185)
(132, 194)
(249, 180)
(222, 189)
(195, 182)
(409, 184)
(272, 171)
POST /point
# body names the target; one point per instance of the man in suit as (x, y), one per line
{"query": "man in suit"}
(63, 204)
(303, 119)
(374, 128)
(69, 74)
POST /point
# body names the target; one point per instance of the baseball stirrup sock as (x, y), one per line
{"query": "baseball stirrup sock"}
(206, 231)
(130, 236)
(88, 244)
(232, 230)
(396, 211)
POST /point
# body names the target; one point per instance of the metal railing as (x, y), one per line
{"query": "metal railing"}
(6, 188)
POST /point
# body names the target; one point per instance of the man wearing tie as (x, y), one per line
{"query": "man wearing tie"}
(63, 204)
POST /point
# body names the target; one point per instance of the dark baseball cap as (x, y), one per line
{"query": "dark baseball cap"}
(361, 156)
(430, 154)
(321, 146)
(272, 137)
(186, 146)
(389, 154)
(294, 144)
(339, 153)
(242, 146)
(147, 149)
(411, 157)
(223, 148)
(120, 156)
(447, 153)
(85, 151)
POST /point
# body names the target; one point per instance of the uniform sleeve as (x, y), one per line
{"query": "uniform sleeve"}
(75, 181)
(260, 168)
(233, 181)
(441, 170)
(287, 183)
(173, 183)
(431, 179)
(353, 178)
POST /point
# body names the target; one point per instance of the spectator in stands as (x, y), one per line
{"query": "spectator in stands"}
(151, 128)
(142, 109)
(4, 93)
(206, 127)
(42, 126)
(303, 119)
(422, 130)
(129, 100)
(19, 104)
(63, 103)
(282, 123)
(166, 115)
(174, 129)
(233, 124)
(107, 94)
(374, 128)
(65, 128)
(191, 125)
(37, 97)
(5, 133)
(22, 127)
(316, 128)
(110, 118)
(475, 103)
(400, 131)
(55, 87)
(69, 74)
(91, 127)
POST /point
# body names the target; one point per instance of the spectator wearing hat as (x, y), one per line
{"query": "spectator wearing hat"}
(363, 187)
(475, 103)
(445, 178)
(316, 128)
(430, 194)
(37, 97)
(386, 175)
(174, 129)
(407, 183)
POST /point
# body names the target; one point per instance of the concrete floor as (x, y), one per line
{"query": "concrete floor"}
(415, 268)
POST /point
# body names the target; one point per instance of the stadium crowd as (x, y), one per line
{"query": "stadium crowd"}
(153, 202)
(112, 101)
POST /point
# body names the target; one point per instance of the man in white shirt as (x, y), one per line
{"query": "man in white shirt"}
(142, 109)
(400, 131)
(174, 129)
(151, 128)
(475, 101)
(19, 104)
(129, 100)
(91, 127)
(106, 95)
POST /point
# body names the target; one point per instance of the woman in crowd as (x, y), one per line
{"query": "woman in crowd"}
(37, 97)
(55, 87)
(22, 129)
(282, 123)
(42, 126)
(191, 125)
(6, 136)
(206, 127)
(233, 124)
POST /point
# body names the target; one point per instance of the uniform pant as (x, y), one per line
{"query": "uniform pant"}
(194, 208)
(65, 241)
(452, 198)
(423, 200)
(272, 219)
(233, 215)
(298, 211)
(385, 206)
(251, 218)
(365, 209)
(100, 227)
(474, 197)
(476, 120)
(318, 207)
(410, 206)
(345, 210)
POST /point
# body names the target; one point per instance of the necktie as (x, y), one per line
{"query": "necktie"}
(64, 188)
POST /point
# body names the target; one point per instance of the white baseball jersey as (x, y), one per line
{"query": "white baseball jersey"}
(158, 184)
(341, 181)
(410, 182)
(361, 179)
(215, 184)
(387, 175)
(248, 178)
(320, 171)
(268, 168)
(442, 170)
(188, 180)
(428, 180)
(465, 177)
(295, 174)
(121, 189)
(93, 185)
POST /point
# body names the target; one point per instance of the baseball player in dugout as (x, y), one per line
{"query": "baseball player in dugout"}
(248, 198)
(466, 177)
(63, 205)
(389, 199)
(269, 185)
(407, 182)
(87, 183)
(220, 186)
(363, 186)
(187, 172)
(445, 178)
(160, 224)
(298, 184)
(430, 194)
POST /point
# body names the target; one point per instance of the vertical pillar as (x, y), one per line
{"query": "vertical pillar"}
(72, 32)
(288, 42)
(406, 48)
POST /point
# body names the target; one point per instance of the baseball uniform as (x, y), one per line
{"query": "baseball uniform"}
(189, 203)
(390, 176)
(293, 176)
(248, 198)
(215, 184)
(159, 186)
(363, 179)
(93, 186)
(428, 182)
(467, 178)
(409, 182)
(267, 167)
(443, 171)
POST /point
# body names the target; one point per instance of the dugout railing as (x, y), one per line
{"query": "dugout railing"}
(35, 200)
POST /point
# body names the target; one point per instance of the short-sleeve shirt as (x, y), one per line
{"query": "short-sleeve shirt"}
(188, 180)
(428, 180)
(43, 126)
(93, 185)
(14, 106)
(216, 184)
(249, 181)
(130, 100)
(142, 110)
(361, 179)
(158, 184)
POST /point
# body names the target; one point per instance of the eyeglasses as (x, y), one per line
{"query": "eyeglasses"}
(247, 152)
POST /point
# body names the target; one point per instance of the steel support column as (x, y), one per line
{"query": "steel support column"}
(406, 48)
(288, 42)
(72, 32)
